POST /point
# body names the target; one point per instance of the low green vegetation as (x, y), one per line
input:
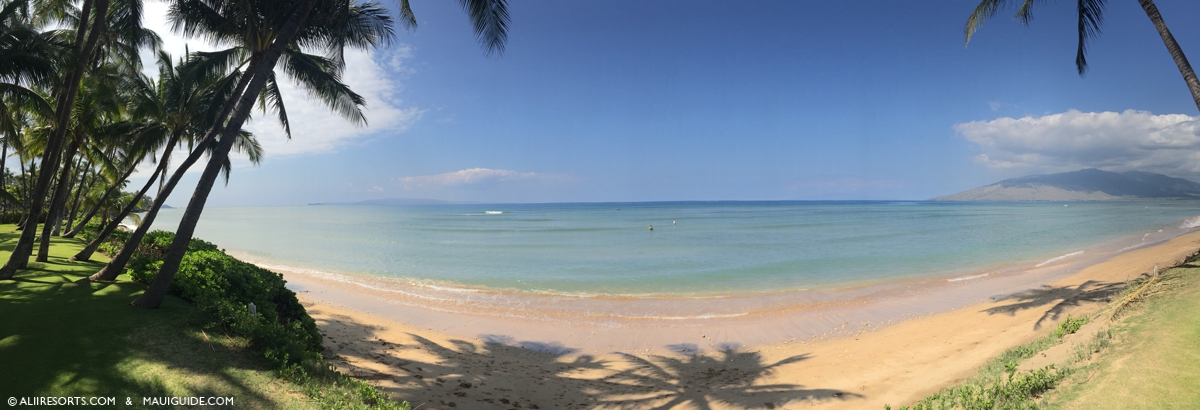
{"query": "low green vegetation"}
(999, 385)
(61, 337)
(1148, 362)
(1153, 363)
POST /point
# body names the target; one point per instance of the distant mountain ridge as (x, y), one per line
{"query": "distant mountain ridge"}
(1083, 185)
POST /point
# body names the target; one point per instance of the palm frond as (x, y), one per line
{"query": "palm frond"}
(1091, 14)
(489, 18)
(321, 78)
(985, 10)
(272, 98)
(407, 18)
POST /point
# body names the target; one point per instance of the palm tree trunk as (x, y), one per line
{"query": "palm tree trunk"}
(24, 193)
(100, 204)
(1185, 68)
(3, 158)
(90, 176)
(64, 209)
(117, 264)
(154, 295)
(19, 258)
(57, 200)
(86, 253)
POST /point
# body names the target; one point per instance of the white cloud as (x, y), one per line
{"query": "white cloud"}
(471, 176)
(1168, 144)
(315, 129)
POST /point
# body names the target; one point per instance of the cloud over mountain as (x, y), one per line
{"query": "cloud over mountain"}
(1167, 144)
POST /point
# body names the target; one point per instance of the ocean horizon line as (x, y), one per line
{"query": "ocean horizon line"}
(703, 201)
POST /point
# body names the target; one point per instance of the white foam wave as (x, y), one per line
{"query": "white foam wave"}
(1056, 259)
(493, 212)
(1193, 222)
(967, 277)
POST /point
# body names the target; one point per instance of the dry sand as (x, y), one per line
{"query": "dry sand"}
(897, 364)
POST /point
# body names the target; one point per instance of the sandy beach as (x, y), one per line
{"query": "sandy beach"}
(446, 360)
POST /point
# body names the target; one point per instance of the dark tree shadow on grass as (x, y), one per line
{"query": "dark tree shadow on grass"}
(1059, 299)
(61, 338)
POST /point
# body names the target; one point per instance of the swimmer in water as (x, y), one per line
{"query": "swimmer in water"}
(651, 227)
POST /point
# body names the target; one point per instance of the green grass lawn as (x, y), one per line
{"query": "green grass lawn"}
(1155, 363)
(60, 338)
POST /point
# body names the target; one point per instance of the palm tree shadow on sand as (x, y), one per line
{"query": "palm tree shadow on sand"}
(1060, 298)
(500, 372)
(730, 378)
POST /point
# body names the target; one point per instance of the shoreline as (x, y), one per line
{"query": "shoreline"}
(600, 324)
(895, 364)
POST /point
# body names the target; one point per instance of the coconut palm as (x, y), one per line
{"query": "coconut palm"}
(98, 105)
(92, 17)
(328, 25)
(115, 168)
(1091, 14)
(27, 58)
(178, 106)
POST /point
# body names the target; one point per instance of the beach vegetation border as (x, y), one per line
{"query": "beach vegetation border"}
(1150, 355)
(988, 390)
(223, 288)
(999, 385)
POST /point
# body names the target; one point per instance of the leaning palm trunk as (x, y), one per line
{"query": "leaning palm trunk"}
(76, 188)
(24, 194)
(83, 187)
(3, 157)
(111, 226)
(66, 209)
(99, 204)
(154, 295)
(86, 253)
(19, 258)
(57, 201)
(117, 264)
(1185, 68)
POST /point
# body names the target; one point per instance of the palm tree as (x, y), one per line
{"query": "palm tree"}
(86, 34)
(335, 25)
(98, 105)
(27, 57)
(1091, 14)
(177, 106)
(116, 166)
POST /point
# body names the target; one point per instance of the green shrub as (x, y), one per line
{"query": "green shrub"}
(222, 286)
(146, 260)
(112, 244)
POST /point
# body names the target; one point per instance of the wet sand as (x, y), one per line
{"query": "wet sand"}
(785, 359)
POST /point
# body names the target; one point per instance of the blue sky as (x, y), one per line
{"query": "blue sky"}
(674, 100)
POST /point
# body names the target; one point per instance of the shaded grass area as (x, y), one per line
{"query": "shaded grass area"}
(62, 338)
(1155, 363)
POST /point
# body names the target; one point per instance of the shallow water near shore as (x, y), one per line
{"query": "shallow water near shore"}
(711, 262)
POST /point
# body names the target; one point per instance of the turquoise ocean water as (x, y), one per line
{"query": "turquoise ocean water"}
(695, 248)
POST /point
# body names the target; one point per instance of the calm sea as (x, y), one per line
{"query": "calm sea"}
(695, 248)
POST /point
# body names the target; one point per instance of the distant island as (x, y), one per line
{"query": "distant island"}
(1083, 185)
(394, 201)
